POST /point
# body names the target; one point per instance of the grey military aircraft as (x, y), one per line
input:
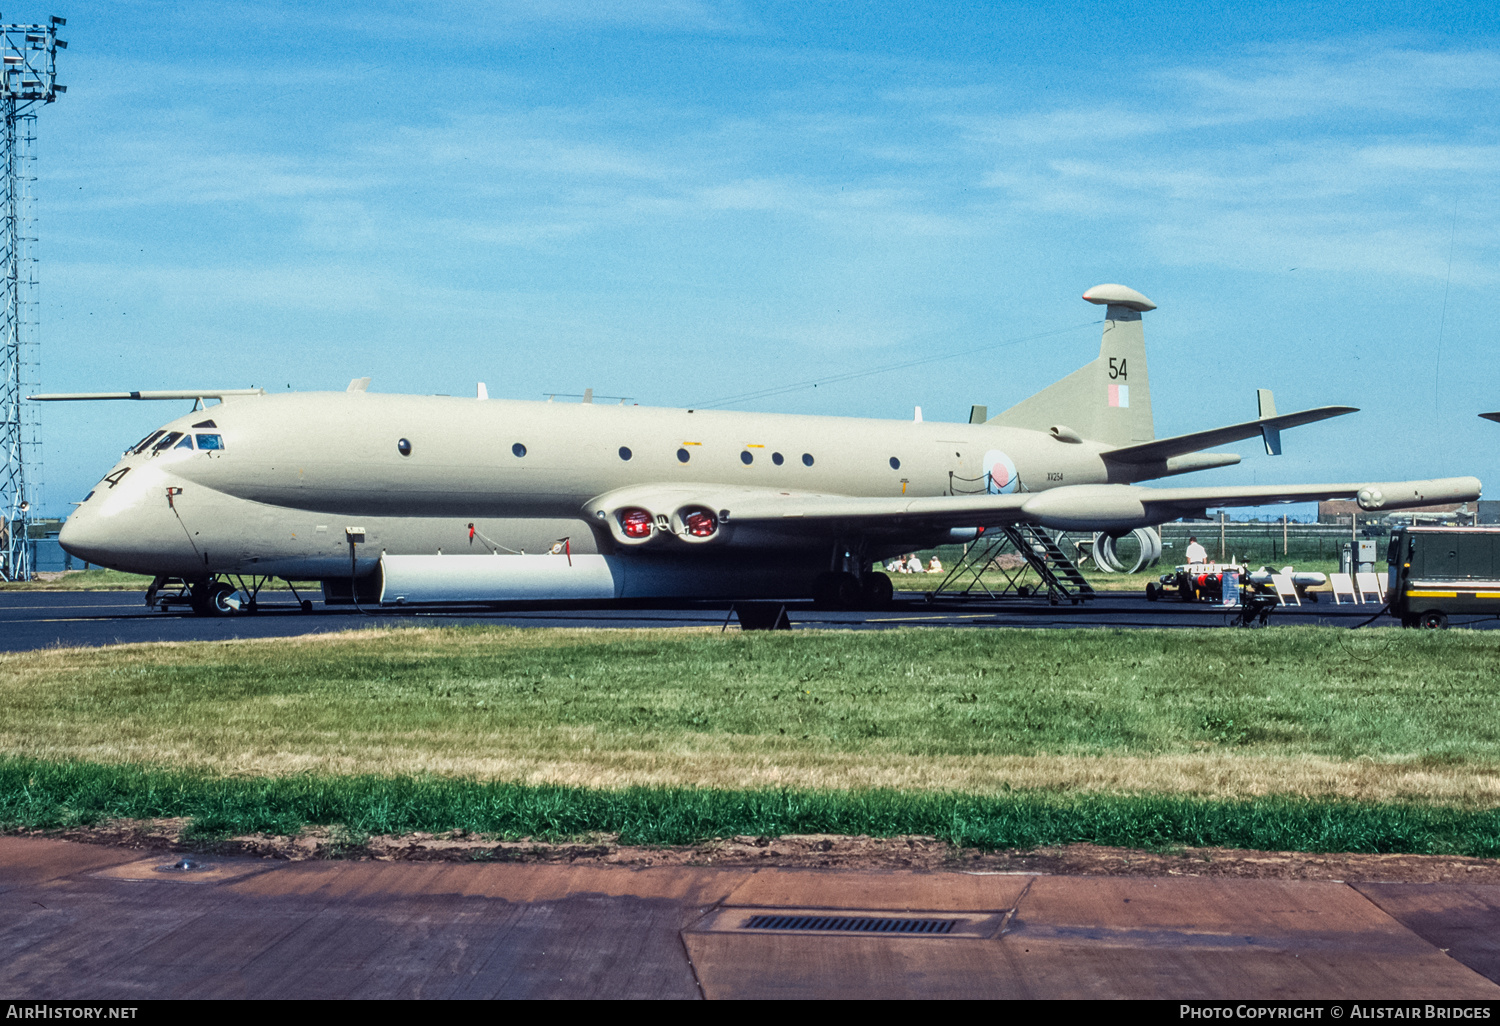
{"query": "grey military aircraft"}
(398, 499)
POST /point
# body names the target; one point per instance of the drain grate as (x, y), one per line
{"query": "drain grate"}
(851, 924)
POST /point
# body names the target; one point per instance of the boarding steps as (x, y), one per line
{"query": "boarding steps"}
(1059, 574)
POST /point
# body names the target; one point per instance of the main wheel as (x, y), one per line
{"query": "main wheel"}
(1435, 620)
(836, 591)
(1152, 592)
(878, 591)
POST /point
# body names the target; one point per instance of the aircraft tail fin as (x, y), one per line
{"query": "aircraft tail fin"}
(1109, 399)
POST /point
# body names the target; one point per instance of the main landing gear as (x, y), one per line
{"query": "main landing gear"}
(843, 590)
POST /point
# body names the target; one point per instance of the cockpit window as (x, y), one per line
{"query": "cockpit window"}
(186, 443)
(140, 446)
(166, 443)
(210, 441)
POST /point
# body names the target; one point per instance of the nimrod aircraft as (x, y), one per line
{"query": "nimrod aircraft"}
(405, 499)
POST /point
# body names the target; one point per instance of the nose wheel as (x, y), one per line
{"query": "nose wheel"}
(213, 598)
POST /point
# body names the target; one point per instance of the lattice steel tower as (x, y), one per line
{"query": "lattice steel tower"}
(29, 78)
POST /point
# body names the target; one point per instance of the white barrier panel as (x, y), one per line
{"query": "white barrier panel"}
(419, 579)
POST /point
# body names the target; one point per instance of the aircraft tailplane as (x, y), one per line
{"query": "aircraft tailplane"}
(1109, 399)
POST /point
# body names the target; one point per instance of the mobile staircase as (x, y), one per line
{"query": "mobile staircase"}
(1059, 574)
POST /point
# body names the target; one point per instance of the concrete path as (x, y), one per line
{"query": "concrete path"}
(80, 921)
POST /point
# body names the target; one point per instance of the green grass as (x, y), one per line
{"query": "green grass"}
(46, 795)
(1312, 712)
(96, 579)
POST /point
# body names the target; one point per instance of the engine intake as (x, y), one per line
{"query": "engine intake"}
(695, 524)
(633, 525)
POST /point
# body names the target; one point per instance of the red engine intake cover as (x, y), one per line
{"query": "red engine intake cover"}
(701, 523)
(636, 523)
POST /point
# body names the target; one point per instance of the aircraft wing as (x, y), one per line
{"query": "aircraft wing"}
(220, 394)
(1181, 445)
(1371, 496)
(1100, 507)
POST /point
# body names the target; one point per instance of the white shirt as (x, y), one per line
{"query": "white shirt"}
(1196, 553)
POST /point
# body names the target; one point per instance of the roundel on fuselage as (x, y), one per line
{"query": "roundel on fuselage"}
(999, 473)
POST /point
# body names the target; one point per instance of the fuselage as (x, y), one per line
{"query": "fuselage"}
(283, 480)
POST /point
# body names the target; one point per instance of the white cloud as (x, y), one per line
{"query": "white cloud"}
(1256, 165)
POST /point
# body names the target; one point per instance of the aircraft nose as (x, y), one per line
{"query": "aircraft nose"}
(86, 538)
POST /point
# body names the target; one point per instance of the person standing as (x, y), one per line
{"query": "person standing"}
(1196, 553)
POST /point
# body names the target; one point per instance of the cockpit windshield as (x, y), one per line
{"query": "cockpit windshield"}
(161, 441)
(140, 447)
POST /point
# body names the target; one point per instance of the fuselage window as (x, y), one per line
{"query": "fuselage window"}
(518, 449)
(747, 457)
(895, 463)
(777, 458)
(210, 441)
(683, 455)
(625, 453)
(166, 443)
(186, 443)
(404, 447)
(807, 459)
(140, 446)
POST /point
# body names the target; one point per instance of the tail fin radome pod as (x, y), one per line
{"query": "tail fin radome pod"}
(1108, 400)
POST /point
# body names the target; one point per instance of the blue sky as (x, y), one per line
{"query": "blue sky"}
(683, 201)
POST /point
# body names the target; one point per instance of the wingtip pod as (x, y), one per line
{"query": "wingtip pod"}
(1119, 295)
(1404, 494)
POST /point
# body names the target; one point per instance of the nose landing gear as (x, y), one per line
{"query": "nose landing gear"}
(214, 598)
